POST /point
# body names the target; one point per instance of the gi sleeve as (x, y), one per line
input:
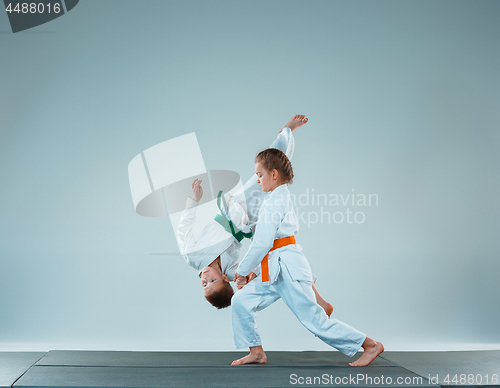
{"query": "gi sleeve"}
(270, 218)
(185, 235)
(285, 142)
(256, 270)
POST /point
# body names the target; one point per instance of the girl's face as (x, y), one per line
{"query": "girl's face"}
(267, 180)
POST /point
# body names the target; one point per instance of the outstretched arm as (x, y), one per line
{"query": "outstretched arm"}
(251, 196)
(185, 235)
(285, 141)
(270, 217)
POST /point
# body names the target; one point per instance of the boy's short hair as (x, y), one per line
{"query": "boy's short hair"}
(221, 298)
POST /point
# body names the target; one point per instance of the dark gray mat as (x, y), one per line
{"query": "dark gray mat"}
(254, 376)
(14, 364)
(479, 367)
(195, 359)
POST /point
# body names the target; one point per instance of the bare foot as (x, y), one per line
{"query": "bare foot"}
(328, 309)
(323, 303)
(296, 122)
(372, 350)
(256, 356)
(325, 306)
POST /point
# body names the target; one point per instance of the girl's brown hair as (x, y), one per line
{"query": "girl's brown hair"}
(273, 158)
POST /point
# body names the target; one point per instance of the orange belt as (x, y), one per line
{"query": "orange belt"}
(278, 243)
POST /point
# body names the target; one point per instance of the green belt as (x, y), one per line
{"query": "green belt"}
(228, 225)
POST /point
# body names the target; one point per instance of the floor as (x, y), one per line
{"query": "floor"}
(59, 368)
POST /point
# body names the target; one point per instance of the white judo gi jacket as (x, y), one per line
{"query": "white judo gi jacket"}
(201, 253)
(276, 220)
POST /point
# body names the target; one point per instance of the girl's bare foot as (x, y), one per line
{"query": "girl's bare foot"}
(372, 350)
(296, 122)
(256, 356)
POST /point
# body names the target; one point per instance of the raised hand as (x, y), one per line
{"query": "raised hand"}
(197, 190)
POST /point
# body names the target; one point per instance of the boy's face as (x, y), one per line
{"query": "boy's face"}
(212, 280)
(266, 180)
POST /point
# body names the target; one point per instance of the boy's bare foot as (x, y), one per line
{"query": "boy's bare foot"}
(372, 350)
(325, 306)
(256, 356)
(323, 303)
(296, 122)
(328, 309)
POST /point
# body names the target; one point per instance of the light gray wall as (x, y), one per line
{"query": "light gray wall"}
(404, 102)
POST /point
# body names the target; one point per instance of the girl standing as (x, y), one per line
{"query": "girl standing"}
(285, 273)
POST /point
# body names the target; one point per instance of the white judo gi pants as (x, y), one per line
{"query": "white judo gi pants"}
(299, 297)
